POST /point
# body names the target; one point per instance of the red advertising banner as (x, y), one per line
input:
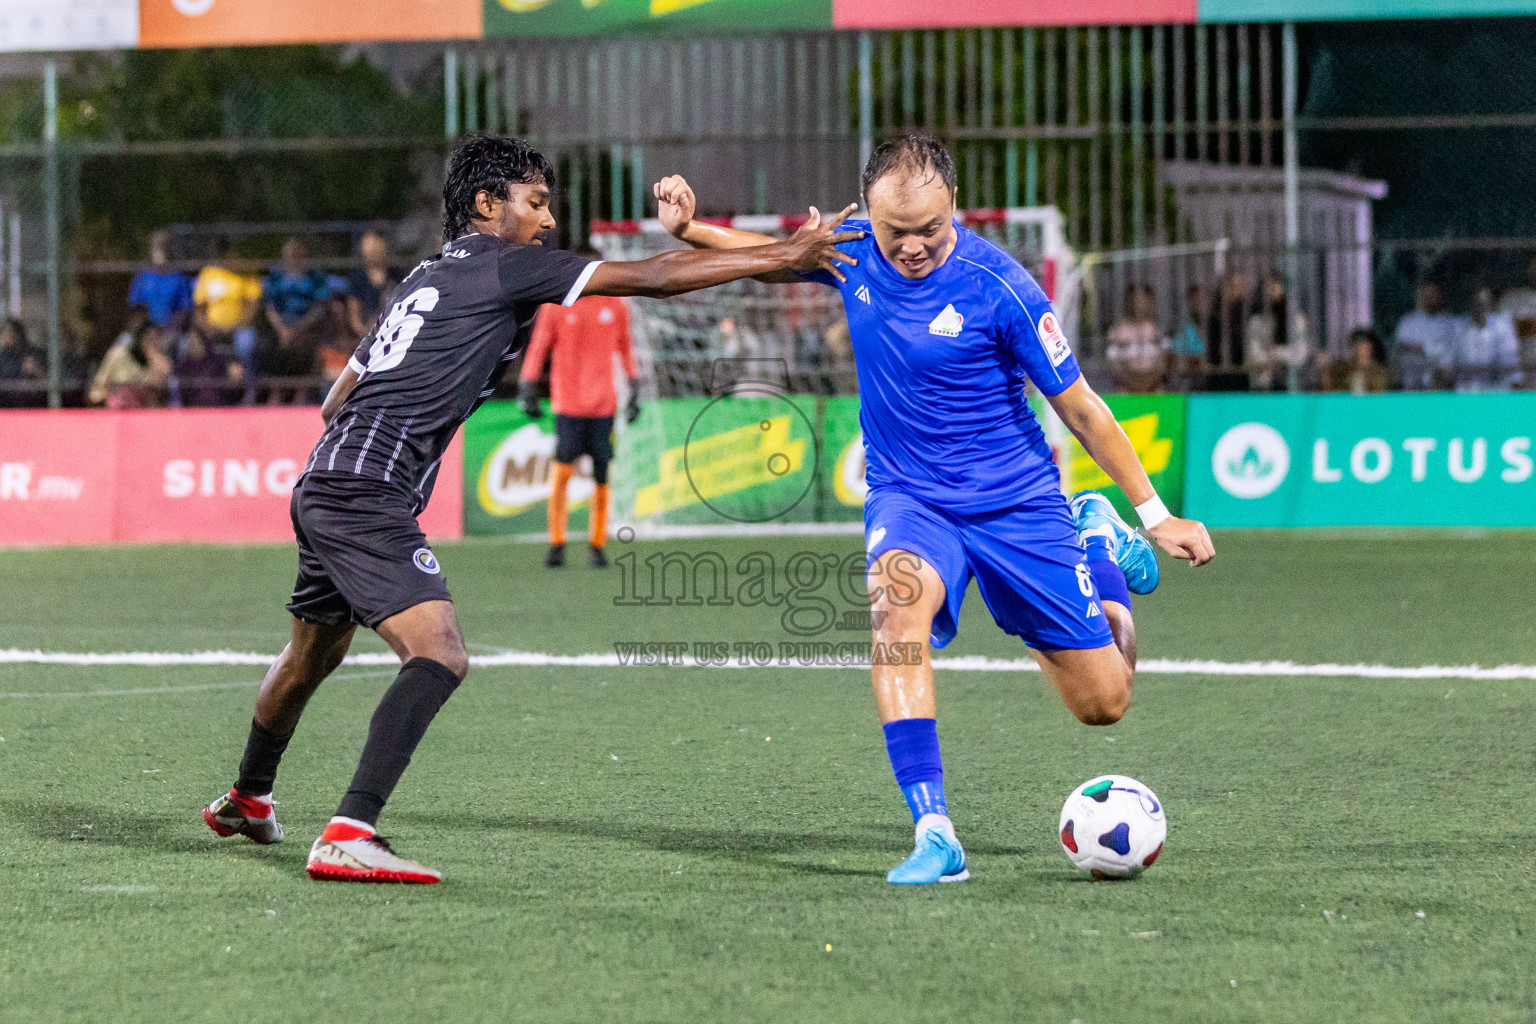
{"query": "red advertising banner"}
(989, 13)
(57, 477)
(160, 476)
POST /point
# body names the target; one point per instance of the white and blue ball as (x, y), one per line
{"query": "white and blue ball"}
(1113, 827)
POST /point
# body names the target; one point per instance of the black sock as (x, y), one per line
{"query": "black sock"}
(401, 719)
(258, 768)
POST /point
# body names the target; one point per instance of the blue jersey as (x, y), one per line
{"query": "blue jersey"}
(942, 365)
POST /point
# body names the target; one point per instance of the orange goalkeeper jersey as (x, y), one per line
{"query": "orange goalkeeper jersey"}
(581, 341)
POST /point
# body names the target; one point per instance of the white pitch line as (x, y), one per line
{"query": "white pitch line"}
(510, 658)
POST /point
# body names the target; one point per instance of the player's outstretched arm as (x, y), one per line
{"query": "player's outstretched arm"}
(675, 206)
(813, 247)
(1090, 420)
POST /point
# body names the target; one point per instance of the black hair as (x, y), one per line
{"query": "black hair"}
(488, 163)
(18, 332)
(913, 153)
(1370, 337)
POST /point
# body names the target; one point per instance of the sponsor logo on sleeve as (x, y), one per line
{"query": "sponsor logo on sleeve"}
(1055, 342)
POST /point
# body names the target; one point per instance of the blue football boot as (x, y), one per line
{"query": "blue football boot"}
(1095, 516)
(937, 856)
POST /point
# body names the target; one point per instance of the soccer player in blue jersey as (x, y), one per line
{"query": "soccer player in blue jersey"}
(947, 329)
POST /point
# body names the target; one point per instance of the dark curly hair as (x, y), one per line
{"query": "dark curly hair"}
(913, 153)
(488, 163)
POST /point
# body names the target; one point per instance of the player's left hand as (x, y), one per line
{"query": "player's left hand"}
(1184, 538)
(675, 204)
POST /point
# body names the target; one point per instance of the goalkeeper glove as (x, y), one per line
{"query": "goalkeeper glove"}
(632, 407)
(528, 398)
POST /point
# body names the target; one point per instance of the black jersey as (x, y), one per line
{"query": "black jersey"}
(437, 352)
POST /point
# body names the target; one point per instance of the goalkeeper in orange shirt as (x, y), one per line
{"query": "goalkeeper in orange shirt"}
(580, 342)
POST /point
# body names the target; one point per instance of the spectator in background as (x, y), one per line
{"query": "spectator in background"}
(225, 305)
(1486, 353)
(163, 292)
(203, 375)
(1187, 347)
(1520, 304)
(1135, 349)
(1365, 372)
(1228, 325)
(1425, 337)
(1276, 341)
(370, 285)
(337, 340)
(20, 366)
(297, 305)
(134, 368)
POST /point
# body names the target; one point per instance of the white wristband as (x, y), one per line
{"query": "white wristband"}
(1153, 512)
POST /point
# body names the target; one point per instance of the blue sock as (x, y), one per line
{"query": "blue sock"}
(1108, 576)
(913, 744)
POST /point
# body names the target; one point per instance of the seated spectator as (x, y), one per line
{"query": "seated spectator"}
(337, 340)
(370, 285)
(297, 306)
(1276, 341)
(1135, 349)
(134, 368)
(1520, 304)
(162, 291)
(1486, 354)
(1227, 326)
(225, 304)
(1365, 372)
(20, 365)
(1425, 337)
(204, 375)
(1187, 346)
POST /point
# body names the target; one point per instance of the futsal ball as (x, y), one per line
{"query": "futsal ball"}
(1113, 827)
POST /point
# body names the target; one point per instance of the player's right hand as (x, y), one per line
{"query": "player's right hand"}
(814, 245)
(675, 204)
(1184, 538)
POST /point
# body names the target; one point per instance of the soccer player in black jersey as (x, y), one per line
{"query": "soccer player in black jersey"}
(446, 336)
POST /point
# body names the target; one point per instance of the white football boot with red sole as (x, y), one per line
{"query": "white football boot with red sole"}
(350, 851)
(235, 814)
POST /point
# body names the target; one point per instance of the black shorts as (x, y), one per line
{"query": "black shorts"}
(362, 557)
(576, 436)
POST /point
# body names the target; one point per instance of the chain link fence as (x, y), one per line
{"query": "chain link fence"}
(1162, 147)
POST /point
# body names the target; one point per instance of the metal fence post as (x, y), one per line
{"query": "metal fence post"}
(1292, 169)
(51, 214)
(451, 93)
(866, 100)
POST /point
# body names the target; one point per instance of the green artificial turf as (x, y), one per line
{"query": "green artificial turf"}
(684, 844)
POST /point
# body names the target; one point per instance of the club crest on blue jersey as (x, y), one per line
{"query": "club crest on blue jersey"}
(426, 561)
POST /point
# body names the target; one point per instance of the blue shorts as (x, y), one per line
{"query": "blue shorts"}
(1027, 560)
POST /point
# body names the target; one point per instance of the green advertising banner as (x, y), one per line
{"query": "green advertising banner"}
(584, 17)
(1155, 425)
(507, 460)
(1376, 460)
(1356, 10)
(842, 454)
(749, 457)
